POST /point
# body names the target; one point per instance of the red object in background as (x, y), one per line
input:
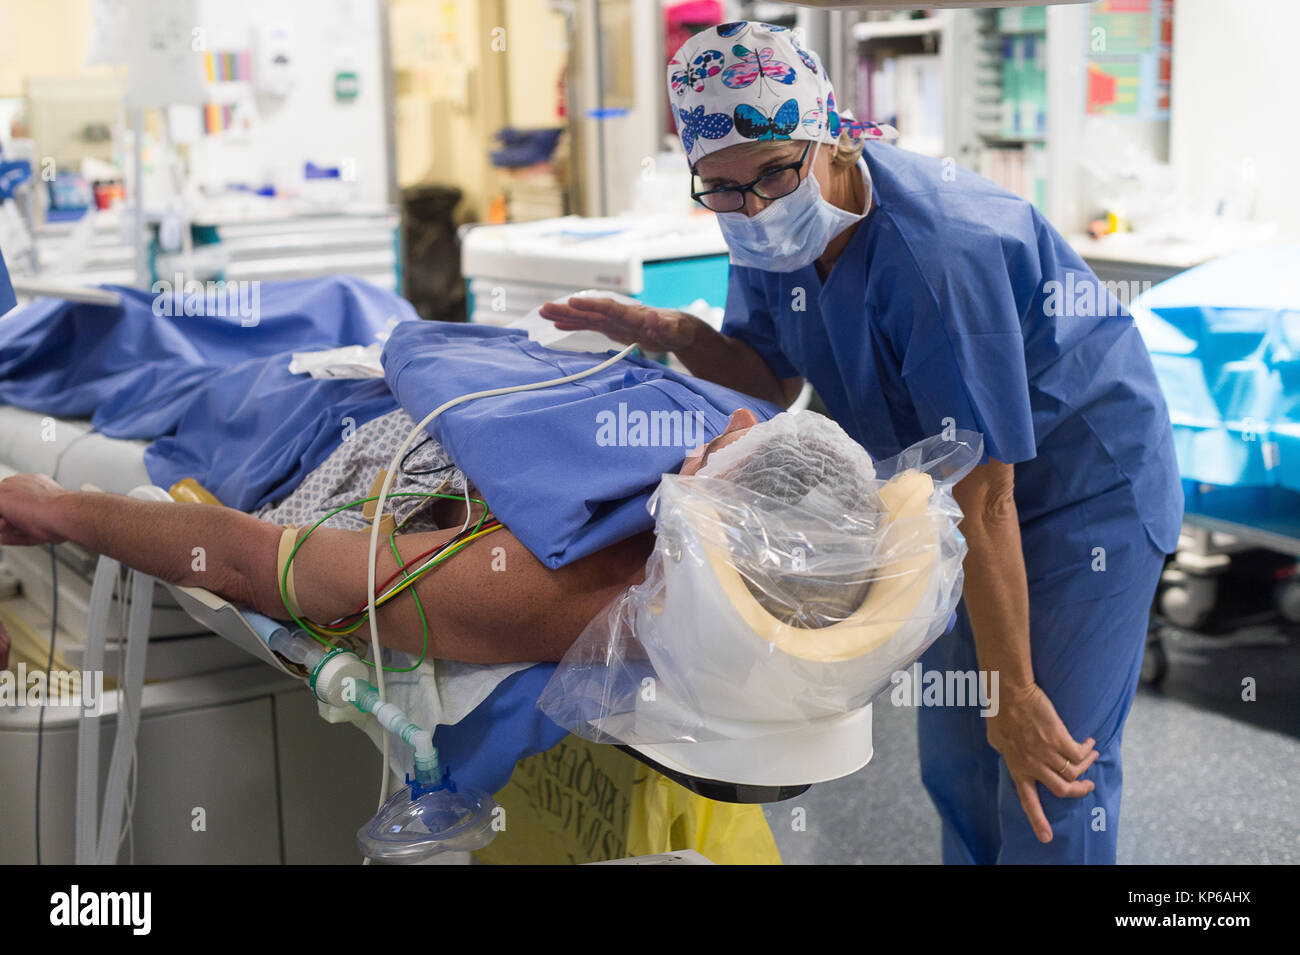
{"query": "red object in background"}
(1101, 88)
(681, 22)
(561, 98)
(108, 193)
(1166, 55)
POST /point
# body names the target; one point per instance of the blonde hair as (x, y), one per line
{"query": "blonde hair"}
(848, 148)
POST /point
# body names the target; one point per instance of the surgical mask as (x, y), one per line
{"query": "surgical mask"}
(790, 234)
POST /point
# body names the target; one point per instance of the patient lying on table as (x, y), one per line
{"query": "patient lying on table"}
(562, 469)
(493, 602)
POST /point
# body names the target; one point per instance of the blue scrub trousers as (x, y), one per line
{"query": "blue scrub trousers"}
(1086, 654)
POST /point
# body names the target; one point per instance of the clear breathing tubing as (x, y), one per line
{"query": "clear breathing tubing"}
(301, 648)
(383, 497)
(298, 647)
(395, 721)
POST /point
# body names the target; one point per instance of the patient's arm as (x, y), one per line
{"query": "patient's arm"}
(492, 602)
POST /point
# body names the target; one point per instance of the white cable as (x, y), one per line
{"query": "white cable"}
(128, 829)
(128, 718)
(469, 508)
(123, 629)
(371, 609)
(127, 825)
(87, 817)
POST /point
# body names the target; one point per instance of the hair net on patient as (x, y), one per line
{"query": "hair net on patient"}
(790, 578)
(798, 460)
(805, 470)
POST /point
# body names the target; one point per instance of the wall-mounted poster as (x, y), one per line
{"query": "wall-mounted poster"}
(1129, 49)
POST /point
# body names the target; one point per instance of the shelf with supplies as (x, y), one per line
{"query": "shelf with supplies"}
(901, 77)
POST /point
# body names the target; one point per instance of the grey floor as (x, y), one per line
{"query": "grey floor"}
(1208, 777)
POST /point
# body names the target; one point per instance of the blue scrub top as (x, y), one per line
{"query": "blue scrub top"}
(956, 303)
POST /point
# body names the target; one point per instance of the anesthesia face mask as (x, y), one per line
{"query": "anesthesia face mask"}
(791, 577)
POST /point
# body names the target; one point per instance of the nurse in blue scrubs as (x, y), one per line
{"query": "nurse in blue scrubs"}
(919, 298)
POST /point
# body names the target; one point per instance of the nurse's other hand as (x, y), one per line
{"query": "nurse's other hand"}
(28, 510)
(657, 329)
(1036, 747)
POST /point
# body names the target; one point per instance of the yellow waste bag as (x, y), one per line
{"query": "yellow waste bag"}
(586, 802)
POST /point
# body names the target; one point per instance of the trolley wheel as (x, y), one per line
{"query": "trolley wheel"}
(1155, 663)
(1287, 598)
(1188, 604)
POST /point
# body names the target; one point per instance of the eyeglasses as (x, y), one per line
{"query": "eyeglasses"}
(773, 184)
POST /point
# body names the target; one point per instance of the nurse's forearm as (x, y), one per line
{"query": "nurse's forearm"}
(996, 592)
(731, 363)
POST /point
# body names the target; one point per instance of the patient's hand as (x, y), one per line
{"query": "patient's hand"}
(29, 510)
(5, 644)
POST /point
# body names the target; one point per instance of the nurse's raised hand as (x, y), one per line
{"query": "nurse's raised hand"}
(658, 329)
(705, 353)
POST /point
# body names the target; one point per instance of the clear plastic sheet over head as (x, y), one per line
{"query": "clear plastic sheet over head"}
(791, 577)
